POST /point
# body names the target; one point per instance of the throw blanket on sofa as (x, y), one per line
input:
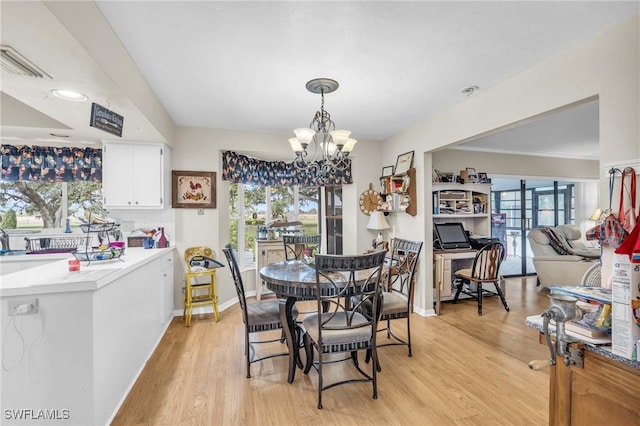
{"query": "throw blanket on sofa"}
(562, 247)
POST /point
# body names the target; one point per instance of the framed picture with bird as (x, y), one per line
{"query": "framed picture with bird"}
(193, 190)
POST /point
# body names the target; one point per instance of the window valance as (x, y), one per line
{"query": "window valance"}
(242, 169)
(50, 164)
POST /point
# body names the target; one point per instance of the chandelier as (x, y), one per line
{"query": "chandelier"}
(319, 148)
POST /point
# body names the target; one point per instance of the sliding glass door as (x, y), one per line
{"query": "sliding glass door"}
(521, 205)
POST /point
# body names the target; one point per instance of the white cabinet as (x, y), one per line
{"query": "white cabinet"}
(466, 203)
(166, 304)
(269, 251)
(133, 175)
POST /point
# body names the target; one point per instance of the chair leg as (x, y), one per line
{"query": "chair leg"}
(409, 333)
(246, 353)
(298, 336)
(479, 298)
(320, 384)
(214, 298)
(459, 285)
(308, 349)
(502, 298)
(374, 372)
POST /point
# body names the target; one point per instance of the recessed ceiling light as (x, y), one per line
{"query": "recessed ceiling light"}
(469, 90)
(69, 95)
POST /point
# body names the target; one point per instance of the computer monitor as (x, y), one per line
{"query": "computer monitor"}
(450, 235)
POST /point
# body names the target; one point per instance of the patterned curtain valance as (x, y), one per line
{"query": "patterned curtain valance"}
(50, 164)
(242, 169)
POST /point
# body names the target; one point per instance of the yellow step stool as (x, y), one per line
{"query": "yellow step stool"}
(199, 292)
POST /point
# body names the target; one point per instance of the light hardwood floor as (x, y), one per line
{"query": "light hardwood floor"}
(465, 370)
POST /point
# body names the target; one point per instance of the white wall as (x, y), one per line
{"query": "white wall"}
(605, 67)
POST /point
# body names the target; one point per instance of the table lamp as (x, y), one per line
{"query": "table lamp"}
(597, 214)
(377, 222)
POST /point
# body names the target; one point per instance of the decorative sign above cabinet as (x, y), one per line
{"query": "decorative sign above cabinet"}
(107, 120)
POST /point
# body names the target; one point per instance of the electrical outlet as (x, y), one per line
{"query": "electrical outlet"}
(22, 307)
(200, 212)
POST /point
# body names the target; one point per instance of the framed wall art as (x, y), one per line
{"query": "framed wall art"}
(387, 171)
(482, 177)
(193, 190)
(403, 162)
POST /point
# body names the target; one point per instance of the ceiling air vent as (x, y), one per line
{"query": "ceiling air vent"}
(15, 63)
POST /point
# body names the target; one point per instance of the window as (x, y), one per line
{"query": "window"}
(43, 205)
(253, 206)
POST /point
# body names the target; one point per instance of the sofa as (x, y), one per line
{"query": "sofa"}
(560, 256)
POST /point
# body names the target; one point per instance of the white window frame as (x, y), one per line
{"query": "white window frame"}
(241, 213)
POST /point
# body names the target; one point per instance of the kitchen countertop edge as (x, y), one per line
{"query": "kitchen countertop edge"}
(55, 277)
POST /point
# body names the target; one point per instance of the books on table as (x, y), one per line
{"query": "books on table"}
(595, 303)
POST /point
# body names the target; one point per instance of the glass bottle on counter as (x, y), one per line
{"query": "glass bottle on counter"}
(162, 241)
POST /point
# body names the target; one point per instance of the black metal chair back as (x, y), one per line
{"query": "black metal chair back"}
(257, 316)
(399, 288)
(343, 284)
(296, 245)
(237, 280)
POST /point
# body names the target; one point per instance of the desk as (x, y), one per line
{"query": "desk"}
(292, 281)
(446, 263)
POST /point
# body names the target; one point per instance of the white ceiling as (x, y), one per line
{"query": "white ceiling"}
(244, 65)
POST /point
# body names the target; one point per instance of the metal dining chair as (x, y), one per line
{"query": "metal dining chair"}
(485, 270)
(343, 328)
(258, 316)
(296, 246)
(397, 299)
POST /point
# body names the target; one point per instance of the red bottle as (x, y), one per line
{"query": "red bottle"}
(162, 241)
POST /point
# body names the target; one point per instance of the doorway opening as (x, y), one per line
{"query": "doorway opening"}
(523, 204)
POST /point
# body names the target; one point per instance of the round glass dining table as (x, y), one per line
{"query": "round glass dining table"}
(295, 280)
(291, 281)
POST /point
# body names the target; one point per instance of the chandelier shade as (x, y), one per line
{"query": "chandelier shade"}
(320, 148)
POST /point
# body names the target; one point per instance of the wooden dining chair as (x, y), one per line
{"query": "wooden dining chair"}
(296, 246)
(343, 328)
(257, 316)
(485, 270)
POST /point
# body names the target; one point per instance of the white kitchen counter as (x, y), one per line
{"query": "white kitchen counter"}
(90, 337)
(55, 277)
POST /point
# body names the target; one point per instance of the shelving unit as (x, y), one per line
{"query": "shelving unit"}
(468, 203)
(399, 192)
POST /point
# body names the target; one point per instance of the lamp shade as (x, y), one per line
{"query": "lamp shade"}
(377, 221)
(596, 215)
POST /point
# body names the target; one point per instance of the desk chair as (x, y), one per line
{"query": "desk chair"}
(342, 328)
(485, 270)
(296, 245)
(199, 293)
(257, 316)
